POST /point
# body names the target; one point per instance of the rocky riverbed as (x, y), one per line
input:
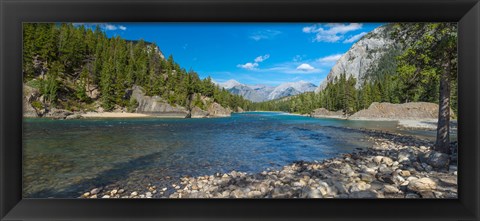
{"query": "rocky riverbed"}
(395, 166)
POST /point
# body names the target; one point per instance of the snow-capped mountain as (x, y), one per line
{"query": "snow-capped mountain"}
(230, 84)
(291, 88)
(259, 92)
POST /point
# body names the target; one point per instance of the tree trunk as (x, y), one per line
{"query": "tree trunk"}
(443, 128)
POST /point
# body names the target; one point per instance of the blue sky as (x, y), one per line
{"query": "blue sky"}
(251, 53)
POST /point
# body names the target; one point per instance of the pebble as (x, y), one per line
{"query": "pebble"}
(148, 194)
(404, 173)
(95, 191)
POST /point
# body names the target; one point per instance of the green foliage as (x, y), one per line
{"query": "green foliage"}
(132, 105)
(50, 86)
(77, 57)
(37, 105)
(81, 91)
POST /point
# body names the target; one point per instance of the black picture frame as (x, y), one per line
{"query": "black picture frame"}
(14, 12)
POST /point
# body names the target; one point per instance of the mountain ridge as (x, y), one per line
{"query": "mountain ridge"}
(260, 92)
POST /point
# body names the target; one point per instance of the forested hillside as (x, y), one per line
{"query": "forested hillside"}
(408, 72)
(77, 68)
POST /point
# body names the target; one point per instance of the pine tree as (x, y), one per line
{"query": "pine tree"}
(442, 38)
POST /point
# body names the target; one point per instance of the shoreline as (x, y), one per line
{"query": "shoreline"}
(420, 124)
(129, 115)
(395, 166)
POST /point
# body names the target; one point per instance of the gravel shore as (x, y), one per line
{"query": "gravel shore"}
(395, 166)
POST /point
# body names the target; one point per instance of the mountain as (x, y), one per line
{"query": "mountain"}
(365, 56)
(255, 93)
(260, 93)
(291, 88)
(230, 84)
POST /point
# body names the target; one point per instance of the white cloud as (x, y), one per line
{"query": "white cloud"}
(308, 29)
(354, 38)
(305, 67)
(332, 32)
(330, 58)
(111, 27)
(248, 66)
(266, 34)
(261, 58)
(104, 26)
(254, 65)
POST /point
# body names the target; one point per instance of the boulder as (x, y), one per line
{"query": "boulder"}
(92, 91)
(435, 159)
(422, 185)
(55, 113)
(196, 112)
(390, 189)
(216, 110)
(154, 104)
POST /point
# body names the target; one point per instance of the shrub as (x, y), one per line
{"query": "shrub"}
(132, 105)
(37, 105)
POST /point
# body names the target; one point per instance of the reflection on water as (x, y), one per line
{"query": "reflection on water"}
(65, 158)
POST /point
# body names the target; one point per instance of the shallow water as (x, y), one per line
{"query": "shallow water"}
(66, 158)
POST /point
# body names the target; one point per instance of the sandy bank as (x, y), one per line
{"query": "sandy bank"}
(130, 115)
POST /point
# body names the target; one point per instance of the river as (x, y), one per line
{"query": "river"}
(64, 158)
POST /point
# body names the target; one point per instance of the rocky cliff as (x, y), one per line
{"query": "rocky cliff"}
(363, 56)
(155, 104)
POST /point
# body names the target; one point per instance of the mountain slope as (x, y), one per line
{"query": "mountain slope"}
(364, 56)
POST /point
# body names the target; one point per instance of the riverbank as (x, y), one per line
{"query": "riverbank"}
(129, 115)
(394, 167)
(412, 115)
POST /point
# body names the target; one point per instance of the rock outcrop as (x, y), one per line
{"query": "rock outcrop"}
(406, 111)
(30, 95)
(324, 113)
(155, 104)
(196, 112)
(216, 110)
(210, 108)
(364, 55)
(58, 114)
